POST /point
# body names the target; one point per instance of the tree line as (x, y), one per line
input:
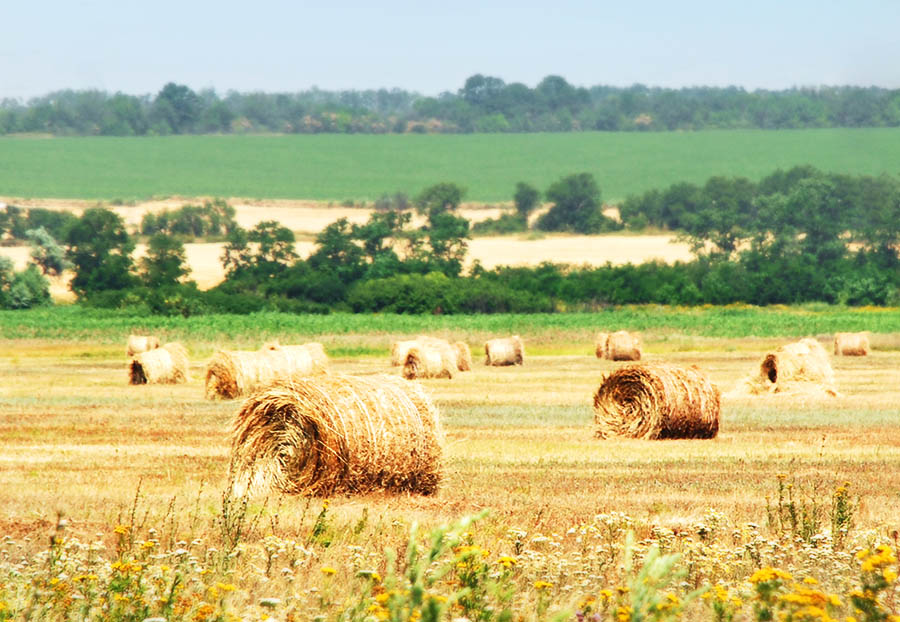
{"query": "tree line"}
(796, 236)
(482, 104)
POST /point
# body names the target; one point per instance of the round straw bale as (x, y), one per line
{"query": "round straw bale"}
(140, 343)
(600, 348)
(231, 374)
(314, 348)
(463, 356)
(399, 350)
(505, 351)
(165, 365)
(623, 346)
(430, 361)
(656, 402)
(805, 360)
(851, 344)
(337, 434)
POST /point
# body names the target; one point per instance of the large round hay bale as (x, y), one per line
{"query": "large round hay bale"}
(600, 347)
(337, 434)
(232, 373)
(851, 344)
(505, 351)
(801, 368)
(166, 365)
(430, 361)
(623, 346)
(656, 402)
(463, 356)
(399, 350)
(140, 343)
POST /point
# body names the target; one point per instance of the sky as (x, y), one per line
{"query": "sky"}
(430, 47)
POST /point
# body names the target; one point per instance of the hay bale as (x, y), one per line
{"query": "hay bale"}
(851, 344)
(657, 402)
(623, 346)
(600, 347)
(506, 351)
(399, 350)
(232, 373)
(315, 349)
(802, 367)
(463, 356)
(430, 361)
(337, 434)
(140, 343)
(166, 365)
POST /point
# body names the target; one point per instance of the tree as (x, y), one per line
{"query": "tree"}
(338, 253)
(165, 263)
(236, 255)
(178, 107)
(526, 199)
(46, 253)
(100, 250)
(22, 290)
(440, 198)
(576, 206)
(275, 249)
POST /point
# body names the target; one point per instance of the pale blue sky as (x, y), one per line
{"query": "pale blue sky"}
(272, 45)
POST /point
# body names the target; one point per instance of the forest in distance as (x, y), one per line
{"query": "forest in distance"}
(484, 104)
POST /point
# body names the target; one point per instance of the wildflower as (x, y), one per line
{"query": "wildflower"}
(121, 529)
(542, 585)
(226, 587)
(764, 575)
(810, 581)
(328, 570)
(507, 561)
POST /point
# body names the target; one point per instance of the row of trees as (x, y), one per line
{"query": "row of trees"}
(483, 104)
(798, 235)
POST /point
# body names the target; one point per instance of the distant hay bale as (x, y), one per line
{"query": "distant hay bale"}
(140, 343)
(851, 344)
(656, 402)
(505, 351)
(600, 348)
(399, 350)
(232, 373)
(165, 365)
(801, 367)
(337, 434)
(430, 360)
(463, 356)
(623, 346)
(315, 349)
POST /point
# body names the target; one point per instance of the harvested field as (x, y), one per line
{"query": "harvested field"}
(519, 444)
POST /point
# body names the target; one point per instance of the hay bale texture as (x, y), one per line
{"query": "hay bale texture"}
(463, 356)
(656, 402)
(506, 351)
(459, 351)
(140, 343)
(851, 344)
(600, 348)
(430, 360)
(166, 365)
(233, 373)
(399, 350)
(623, 346)
(315, 349)
(337, 434)
(802, 367)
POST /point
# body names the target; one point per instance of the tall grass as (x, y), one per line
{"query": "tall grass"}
(338, 167)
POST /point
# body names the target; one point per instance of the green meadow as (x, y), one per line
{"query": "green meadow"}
(361, 167)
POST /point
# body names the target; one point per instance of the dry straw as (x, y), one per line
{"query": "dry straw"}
(851, 344)
(801, 367)
(600, 348)
(463, 356)
(506, 351)
(430, 360)
(656, 402)
(165, 365)
(140, 343)
(231, 374)
(315, 349)
(399, 350)
(623, 346)
(337, 434)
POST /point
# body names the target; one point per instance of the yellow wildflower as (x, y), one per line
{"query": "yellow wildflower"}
(542, 585)
(328, 570)
(121, 529)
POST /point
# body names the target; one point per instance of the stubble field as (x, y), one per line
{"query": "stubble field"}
(78, 440)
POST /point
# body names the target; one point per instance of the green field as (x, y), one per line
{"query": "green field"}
(669, 328)
(339, 167)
